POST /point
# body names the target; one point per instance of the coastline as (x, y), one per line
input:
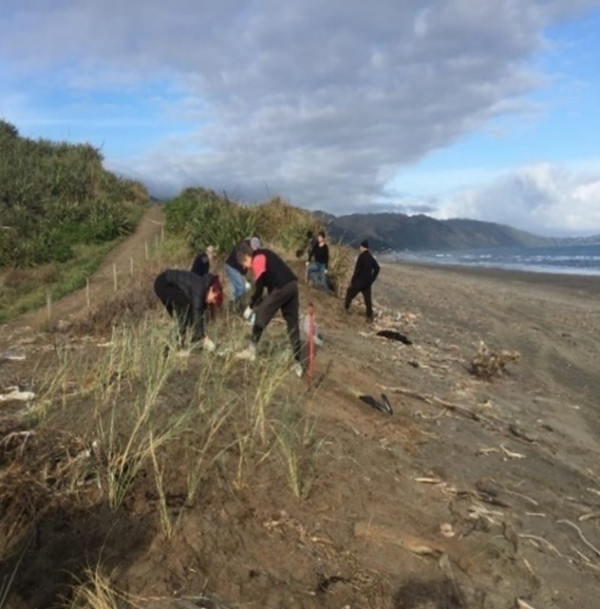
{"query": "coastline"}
(589, 284)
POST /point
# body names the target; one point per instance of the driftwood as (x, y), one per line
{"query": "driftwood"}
(456, 408)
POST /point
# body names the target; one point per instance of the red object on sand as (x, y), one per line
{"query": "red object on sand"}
(311, 341)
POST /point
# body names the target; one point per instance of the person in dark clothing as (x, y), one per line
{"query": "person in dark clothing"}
(273, 274)
(365, 273)
(188, 298)
(236, 272)
(201, 264)
(311, 241)
(317, 271)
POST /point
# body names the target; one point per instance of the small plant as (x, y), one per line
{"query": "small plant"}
(96, 592)
(299, 447)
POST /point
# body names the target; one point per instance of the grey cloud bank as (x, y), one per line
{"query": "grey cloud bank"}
(321, 102)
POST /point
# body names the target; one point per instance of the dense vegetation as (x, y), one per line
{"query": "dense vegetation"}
(202, 217)
(54, 196)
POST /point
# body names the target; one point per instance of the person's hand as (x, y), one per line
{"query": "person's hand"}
(307, 262)
(247, 286)
(208, 345)
(247, 314)
(325, 272)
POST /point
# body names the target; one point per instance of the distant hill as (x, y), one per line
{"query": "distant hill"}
(395, 231)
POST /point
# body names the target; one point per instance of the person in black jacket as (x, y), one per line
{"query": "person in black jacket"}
(188, 298)
(201, 264)
(273, 274)
(365, 273)
(317, 271)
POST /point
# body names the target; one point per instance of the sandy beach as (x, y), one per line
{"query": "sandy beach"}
(476, 493)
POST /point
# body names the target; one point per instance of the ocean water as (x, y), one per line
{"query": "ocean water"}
(567, 259)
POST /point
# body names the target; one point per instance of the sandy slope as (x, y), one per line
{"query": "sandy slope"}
(472, 494)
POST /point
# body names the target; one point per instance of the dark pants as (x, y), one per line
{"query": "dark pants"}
(286, 300)
(351, 293)
(176, 303)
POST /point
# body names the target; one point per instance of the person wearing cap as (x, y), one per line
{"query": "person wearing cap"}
(272, 273)
(365, 273)
(236, 272)
(201, 264)
(188, 298)
(317, 271)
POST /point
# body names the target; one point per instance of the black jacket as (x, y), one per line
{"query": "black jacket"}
(194, 288)
(201, 264)
(320, 254)
(273, 273)
(365, 271)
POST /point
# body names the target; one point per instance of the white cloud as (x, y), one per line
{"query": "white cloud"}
(543, 198)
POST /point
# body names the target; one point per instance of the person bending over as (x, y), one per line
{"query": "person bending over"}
(201, 264)
(190, 299)
(237, 273)
(273, 274)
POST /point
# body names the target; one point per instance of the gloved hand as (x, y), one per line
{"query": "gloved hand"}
(247, 313)
(208, 344)
(247, 286)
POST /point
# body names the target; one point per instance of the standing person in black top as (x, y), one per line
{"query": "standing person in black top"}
(272, 273)
(317, 271)
(201, 264)
(188, 298)
(365, 273)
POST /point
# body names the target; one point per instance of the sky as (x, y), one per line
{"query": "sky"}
(482, 109)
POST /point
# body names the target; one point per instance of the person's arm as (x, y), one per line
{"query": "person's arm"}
(198, 310)
(376, 268)
(357, 270)
(259, 269)
(312, 251)
(326, 255)
(201, 265)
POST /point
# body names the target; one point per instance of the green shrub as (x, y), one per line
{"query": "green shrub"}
(56, 195)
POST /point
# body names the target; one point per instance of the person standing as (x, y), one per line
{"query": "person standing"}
(236, 272)
(273, 274)
(365, 273)
(317, 271)
(188, 298)
(201, 264)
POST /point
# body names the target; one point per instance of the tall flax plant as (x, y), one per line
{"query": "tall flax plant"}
(136, 370)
